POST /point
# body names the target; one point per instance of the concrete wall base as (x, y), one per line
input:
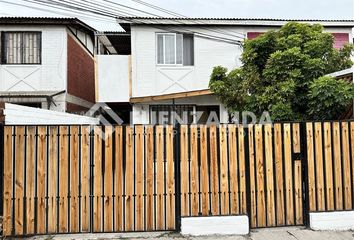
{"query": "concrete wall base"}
(197, 226)
(332, 221)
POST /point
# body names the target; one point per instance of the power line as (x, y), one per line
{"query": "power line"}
(57, 12)
(175, 14)
(106, 13)
(159, 8)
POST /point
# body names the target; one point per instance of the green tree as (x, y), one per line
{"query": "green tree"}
(281, 73)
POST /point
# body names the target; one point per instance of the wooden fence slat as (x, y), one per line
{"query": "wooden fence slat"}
(311, 167)
(319, 168)
(139, 177)
(328, 164)
(129, 180)
(74, 179)
(85, 178)
(19, 178)
(160, 205)
(268, 144)
(7, 175)
(278, 158)
(234, 171)
(194, 170)
(346, 167)
(337, 166)
(252, 176)
(296, 138)
(41, 180)
(170, 201)
(149, 178)
(204, 173)
(118, 178)
(63, 180)
(288, 175)
(261, 205)
(242, 173)
(30, 184)
(108, 180)
(184, 171)
(224, 181)
(297, 175)
(298, 192)
(97, 178)
(52, 176)
(214, 171)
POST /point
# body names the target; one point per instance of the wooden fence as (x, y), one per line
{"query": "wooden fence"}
(61, 179)
(69, 179)
(330, 154)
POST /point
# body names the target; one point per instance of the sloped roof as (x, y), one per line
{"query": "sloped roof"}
(232, 21)
(45, 21)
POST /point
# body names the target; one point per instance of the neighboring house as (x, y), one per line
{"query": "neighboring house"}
(47, 63)
(347, 75)
(172, 59)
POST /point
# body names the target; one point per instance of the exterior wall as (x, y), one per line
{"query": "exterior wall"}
(340, 39)
(152, 79)
(113, 78)
(141, 111)
(50, 75)
(81, 71)
(85, 39)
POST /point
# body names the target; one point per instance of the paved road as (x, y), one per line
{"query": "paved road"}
(288, 233)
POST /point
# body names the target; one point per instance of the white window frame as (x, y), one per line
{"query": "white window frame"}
(164, 49)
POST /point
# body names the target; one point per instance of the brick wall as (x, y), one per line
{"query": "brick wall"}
(81, 72)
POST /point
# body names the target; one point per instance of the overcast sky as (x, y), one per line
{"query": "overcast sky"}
(289, 9)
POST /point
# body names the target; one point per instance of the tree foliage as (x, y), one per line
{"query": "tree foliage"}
(281, 73)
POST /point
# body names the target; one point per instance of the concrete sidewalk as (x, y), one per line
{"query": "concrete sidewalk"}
(281, 233)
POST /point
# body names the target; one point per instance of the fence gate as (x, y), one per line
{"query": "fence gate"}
(70, 179)
(275, 175)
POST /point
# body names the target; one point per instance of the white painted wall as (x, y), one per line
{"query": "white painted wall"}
(113, 78)
(21, 115)
(50, 75)
(221, 225)
(332, 221)
(151, 79)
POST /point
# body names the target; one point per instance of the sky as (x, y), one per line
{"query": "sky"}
(286, 9)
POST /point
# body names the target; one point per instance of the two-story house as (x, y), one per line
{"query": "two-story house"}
(47, 63)
(172, 58)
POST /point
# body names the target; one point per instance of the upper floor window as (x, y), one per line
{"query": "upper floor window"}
(175, 49)
(21, 47)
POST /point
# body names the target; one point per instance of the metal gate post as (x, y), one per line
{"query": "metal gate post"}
(247, 172)
(177, 163)
(305, 186)
(2, 168)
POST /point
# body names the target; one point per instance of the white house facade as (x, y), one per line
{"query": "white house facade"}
(172, 59)
(37, 56)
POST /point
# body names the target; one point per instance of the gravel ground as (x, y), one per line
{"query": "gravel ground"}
(287, 233)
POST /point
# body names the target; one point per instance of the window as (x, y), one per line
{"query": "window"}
(175, 49)
(168, 114)
(21, 47)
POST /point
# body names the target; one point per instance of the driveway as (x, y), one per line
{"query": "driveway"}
(286, 233)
